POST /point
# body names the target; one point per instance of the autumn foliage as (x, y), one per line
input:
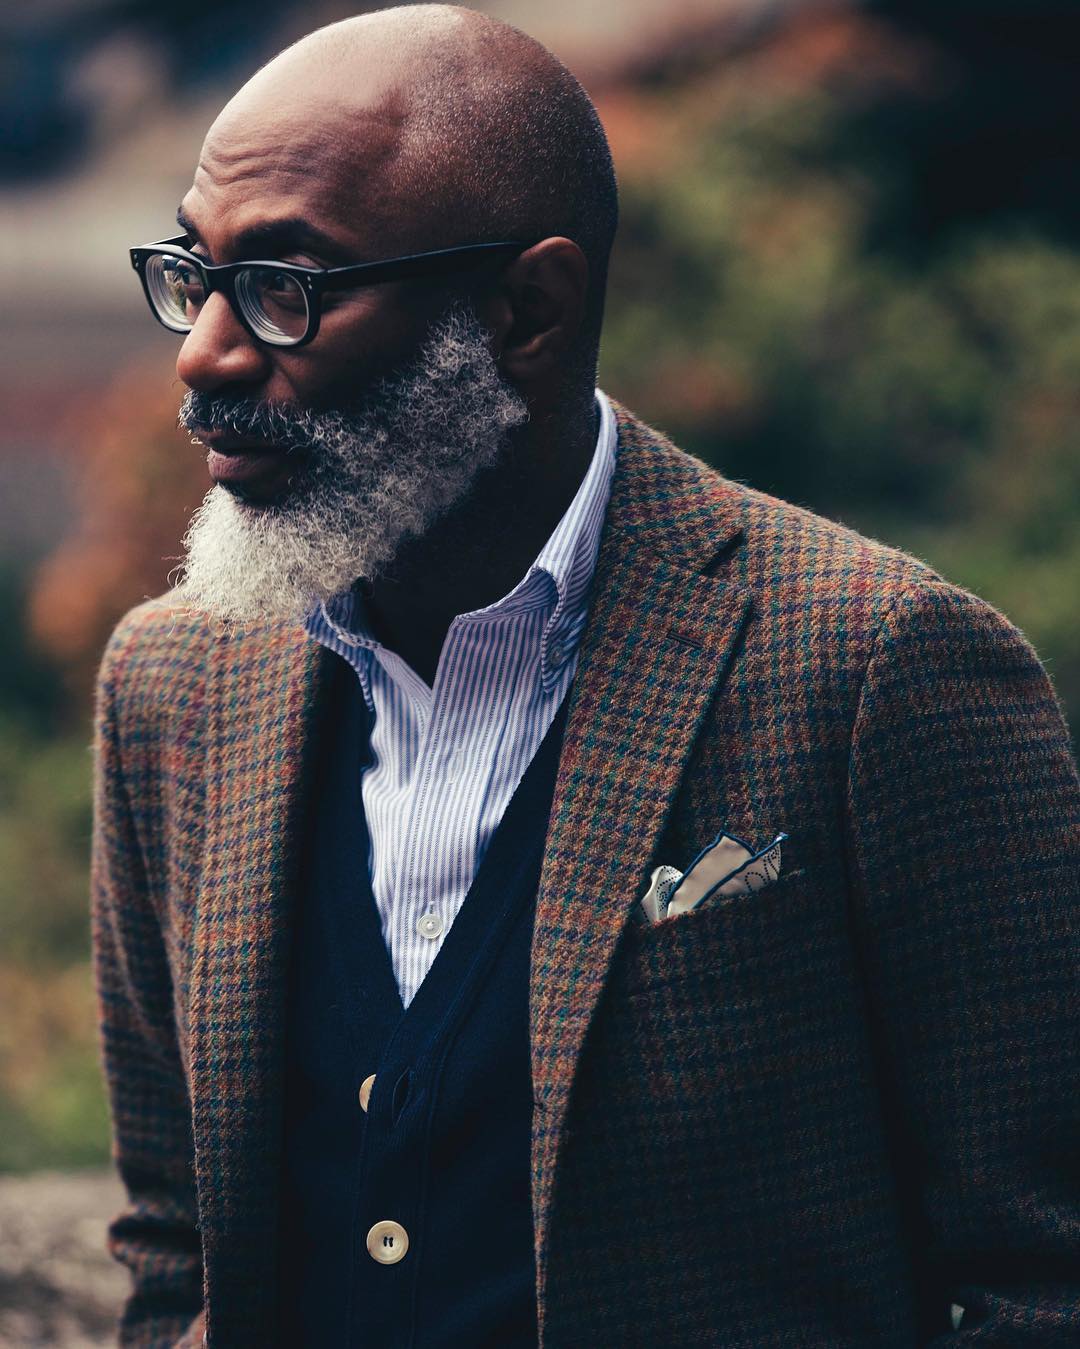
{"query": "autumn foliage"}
(139, 479)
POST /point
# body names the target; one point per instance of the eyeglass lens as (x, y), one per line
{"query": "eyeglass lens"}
(274, 304)
(272, 301)
(176, 289)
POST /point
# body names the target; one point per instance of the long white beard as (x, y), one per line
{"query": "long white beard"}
(369, 480)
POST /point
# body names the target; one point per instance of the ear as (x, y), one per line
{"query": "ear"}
(537, 309)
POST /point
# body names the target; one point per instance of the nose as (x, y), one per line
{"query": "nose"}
(219, 351)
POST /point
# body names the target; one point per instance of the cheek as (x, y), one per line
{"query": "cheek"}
(376, 322)
(362, 339)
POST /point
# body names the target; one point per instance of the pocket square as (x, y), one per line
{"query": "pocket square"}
(728, 866)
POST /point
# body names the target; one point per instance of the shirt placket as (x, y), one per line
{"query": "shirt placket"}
(423, 866)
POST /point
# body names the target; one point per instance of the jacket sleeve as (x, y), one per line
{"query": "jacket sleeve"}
(156, 1234)
(964, 812)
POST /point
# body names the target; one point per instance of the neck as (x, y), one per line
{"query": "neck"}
(479, 551)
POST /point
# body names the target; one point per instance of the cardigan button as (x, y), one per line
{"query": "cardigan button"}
(365, 1091)
(387, 1242)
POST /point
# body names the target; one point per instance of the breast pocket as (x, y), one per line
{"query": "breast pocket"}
(761, 989)
(724, 936)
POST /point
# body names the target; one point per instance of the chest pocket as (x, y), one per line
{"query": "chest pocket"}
(756, 990)
(725, 937)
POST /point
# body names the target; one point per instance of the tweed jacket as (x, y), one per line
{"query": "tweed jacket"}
(838, 1112)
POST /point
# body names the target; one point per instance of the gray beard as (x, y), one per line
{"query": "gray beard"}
(371, 478)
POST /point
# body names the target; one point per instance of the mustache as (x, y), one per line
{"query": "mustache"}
(279, 423)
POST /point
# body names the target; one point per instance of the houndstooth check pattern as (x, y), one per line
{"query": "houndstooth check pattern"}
(825, 1115)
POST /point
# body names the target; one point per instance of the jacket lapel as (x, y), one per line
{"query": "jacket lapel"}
(261, 697)
(659, 637)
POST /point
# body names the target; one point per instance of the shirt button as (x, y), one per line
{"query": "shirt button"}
(429, 925)
(365, 1091)
(387, 1242)
(556, 654)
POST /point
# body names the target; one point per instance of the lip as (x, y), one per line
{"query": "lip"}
(255, 471)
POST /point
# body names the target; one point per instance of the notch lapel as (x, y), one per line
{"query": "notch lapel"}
(659, 638)
(261, 699)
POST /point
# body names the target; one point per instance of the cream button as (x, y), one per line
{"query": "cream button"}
(387, 1242)
(429, 925)
(365, 1091)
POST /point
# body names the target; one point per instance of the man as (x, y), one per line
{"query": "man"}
(461, 653)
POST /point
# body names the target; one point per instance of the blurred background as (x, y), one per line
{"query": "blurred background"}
(847, 273)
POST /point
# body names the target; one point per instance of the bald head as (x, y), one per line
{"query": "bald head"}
(440, 126)
(442, 419)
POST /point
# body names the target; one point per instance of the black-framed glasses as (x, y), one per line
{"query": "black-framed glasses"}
(280, 303)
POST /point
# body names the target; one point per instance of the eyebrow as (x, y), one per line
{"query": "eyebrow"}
(274, 236)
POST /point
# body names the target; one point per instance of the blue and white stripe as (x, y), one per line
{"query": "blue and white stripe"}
(446, 760)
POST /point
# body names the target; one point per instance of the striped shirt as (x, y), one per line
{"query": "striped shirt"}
(446, 760)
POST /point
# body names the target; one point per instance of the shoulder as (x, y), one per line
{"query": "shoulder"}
(827, 599)
(786, 545)
(893, 605)
(784, 554)
(674, 496)
(155, 667)
(154, 650)
(896, 622)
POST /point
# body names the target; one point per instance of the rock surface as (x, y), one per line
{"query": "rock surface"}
(59, 1288)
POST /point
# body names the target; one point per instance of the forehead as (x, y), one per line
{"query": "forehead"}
(319, 161)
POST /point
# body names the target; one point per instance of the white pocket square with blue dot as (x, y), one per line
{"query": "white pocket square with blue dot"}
(728, 866)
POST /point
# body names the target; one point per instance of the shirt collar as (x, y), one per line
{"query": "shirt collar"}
(574, 541)
(569, 556)
(566, 563)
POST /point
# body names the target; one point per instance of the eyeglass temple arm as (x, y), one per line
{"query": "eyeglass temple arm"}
(419, 264)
